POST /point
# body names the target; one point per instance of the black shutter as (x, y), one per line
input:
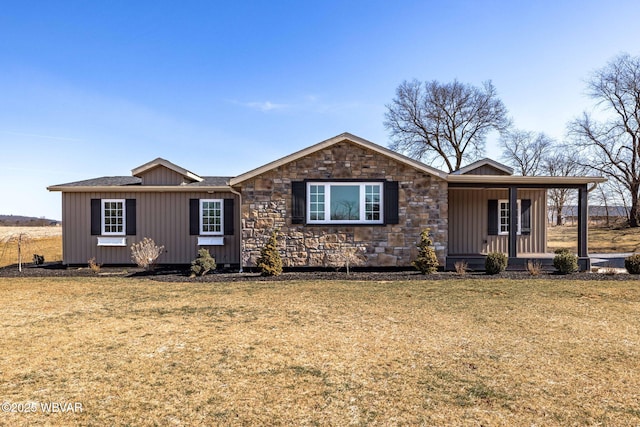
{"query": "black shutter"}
(194, 217)
(228, 217)
(298, 202)
(391, 202)
(130, 211)
(96, 217)
(492, 217)
(525, 219)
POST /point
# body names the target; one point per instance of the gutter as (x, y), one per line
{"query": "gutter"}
(240, 223)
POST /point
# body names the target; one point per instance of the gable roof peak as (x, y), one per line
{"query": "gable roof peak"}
(345, 136)
(484, 162)
(159, 161)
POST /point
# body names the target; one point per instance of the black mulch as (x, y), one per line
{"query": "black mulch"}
(181, 274)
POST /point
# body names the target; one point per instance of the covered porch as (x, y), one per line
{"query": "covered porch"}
(481, 219)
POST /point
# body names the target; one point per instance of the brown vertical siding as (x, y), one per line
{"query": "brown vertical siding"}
(162, 176)
(468, 232)
(486, 170)
(162, 216)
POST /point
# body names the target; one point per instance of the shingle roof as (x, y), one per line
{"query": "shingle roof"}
(124, 181)
(104, 181)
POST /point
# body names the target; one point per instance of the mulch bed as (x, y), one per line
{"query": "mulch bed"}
(177, 274)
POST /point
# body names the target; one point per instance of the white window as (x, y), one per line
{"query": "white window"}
(113, 217)
(344, 203)
(503, 216)
(211, 213)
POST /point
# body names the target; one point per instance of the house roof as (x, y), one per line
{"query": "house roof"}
(461, 178)
(332, 141)
(140, 170)
(134, 184)
(484, 162)
(522, 181)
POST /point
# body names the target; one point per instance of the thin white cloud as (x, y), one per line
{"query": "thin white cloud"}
(309, 103)
(265, 106)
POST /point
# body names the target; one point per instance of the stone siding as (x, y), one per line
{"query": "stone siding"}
(267, 201)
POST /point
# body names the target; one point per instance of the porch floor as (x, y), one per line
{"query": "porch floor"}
(477, 261)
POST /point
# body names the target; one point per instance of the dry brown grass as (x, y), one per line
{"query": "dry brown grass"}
(460, 352)
(601, 240)
(45, 241)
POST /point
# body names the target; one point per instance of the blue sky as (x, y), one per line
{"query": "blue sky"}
(98, 88)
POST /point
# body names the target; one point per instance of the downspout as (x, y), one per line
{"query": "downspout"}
(240, 225)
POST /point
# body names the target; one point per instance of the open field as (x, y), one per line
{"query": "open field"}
(601, 240)
(495, 352)
(45, 241)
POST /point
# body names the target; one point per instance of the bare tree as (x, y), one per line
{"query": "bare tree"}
(444, 124)
(525, 150)
(612, 198)
(613, 144)
(559, 163)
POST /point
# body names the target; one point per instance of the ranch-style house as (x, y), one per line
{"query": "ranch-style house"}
(345, 192)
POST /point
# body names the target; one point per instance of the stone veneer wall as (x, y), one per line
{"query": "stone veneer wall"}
(266, 205)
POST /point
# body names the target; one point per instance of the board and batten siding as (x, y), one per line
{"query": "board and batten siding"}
(161, 216)
(468, 222)
(162, 176)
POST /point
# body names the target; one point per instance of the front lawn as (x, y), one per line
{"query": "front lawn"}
(601, 239)
(449, 352)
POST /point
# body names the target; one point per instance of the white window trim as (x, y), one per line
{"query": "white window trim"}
(124, 218)
(518, 215)
(211, 233)
(327, 202)
(112, 241)
(210, 240)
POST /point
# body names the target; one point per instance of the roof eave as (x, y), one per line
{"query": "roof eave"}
(140, 188)
(505, 179)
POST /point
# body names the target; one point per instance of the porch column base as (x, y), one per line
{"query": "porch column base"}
(584, 264)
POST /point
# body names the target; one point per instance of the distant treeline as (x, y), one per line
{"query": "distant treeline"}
(26, 221)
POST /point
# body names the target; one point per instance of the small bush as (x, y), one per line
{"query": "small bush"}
(608, 271)
(145, 253)
(562, 251)
(632, 264)
(565, 263)
(270, 262)
(203, 264)
(347, 257)
(93, 266)
(427, 261)
(495, 263)
(461, 267)
(534, 267)
(38, 259)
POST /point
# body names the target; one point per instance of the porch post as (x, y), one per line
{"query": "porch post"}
(513, 222)
(582, 221)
